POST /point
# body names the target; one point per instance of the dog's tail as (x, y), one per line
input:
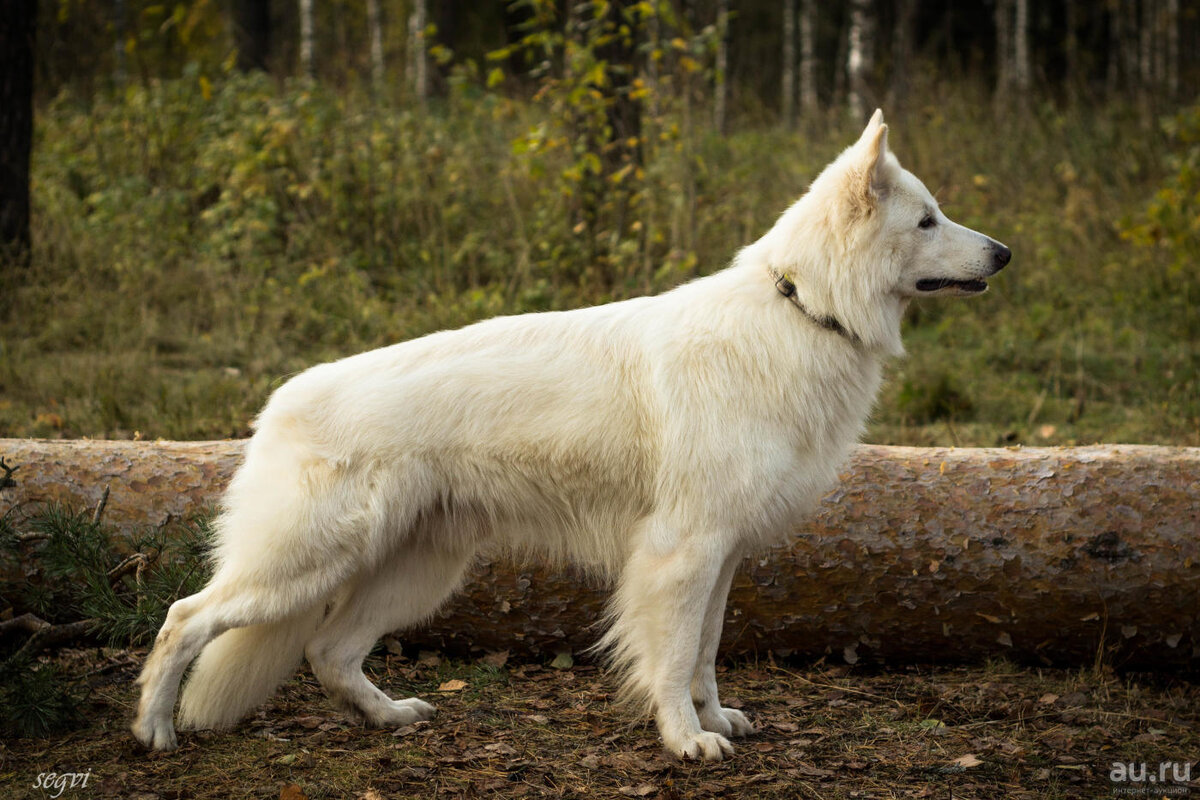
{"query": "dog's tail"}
(242, 667)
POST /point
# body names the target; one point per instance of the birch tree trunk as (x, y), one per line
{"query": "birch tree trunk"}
(375, 33)
(1045, 555)
(858, 57)
(721, 68)
(306, 39)
(1022, 72)
(418, 66)
(808, 58)
(787, 75)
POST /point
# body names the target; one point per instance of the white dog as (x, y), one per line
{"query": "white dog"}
(654, 441)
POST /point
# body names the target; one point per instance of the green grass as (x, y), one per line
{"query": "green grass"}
(192, 253)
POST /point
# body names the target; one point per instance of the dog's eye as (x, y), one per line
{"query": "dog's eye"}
(927, 221)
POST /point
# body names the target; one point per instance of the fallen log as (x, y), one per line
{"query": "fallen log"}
(1051, 555)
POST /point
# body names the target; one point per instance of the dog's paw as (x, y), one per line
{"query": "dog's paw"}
(155, 734)
(399, 713)
(725, 721)
(703, 746)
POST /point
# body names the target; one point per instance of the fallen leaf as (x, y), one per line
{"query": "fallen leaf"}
(641, 790)
(497, 659)
(453, 686)
(967, 761)
(563, 660)
(291, 791)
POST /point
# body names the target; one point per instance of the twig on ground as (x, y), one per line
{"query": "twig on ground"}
(53, 636)
(7, 480)
(137, 561)
(100, 506)
(28, 623)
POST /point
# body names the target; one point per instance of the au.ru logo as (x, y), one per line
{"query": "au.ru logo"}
(1138, 777)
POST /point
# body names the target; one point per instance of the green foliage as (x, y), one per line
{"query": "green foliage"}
(195, 244)
(63, 567)
(35, 700)
(1170, 224)
(66, 562)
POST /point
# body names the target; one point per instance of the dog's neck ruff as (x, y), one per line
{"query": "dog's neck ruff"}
(787, 288)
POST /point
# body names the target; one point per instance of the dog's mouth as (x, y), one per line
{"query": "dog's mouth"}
(930, 285)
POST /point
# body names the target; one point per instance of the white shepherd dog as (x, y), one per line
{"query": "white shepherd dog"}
(655, 441)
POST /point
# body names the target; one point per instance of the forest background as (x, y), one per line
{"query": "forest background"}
(224, 192)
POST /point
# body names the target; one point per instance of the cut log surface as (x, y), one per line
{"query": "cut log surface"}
(1057, 555)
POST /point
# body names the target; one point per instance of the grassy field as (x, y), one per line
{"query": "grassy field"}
(197, 244)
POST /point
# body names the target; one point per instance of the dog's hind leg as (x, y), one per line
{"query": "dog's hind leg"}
(725, 721)
(405, 590)
(655, 636)
(233, 599)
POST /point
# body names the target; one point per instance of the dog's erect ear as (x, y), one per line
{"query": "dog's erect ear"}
(870, 172)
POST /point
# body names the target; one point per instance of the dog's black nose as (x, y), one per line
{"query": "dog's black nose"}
(1001, 255)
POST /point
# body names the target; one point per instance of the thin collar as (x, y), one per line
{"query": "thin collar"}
(787, 288)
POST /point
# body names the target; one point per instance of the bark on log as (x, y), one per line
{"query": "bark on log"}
(1050, 555)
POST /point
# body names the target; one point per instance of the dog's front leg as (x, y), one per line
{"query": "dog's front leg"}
(725, 721)
(656, 636)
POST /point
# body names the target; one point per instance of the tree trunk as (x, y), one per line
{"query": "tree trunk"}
(1172, 66)
(1004, 64)
(721, 67)
(1129, 44)
(252, 33)
(1022, 71)
(902, 50)
(1116, 33)
(787, 75)
(119, 69)
(17, 33)
(808, 58)
(1146, 47)
(306, 40)
(1047, 555)
(375, 33)
(418, 62)
(1072, 78)
(858, 57)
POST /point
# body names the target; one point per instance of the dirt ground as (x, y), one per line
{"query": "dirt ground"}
(507, 729)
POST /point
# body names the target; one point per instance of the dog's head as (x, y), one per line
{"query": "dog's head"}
(868, 237)
(930, 254)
